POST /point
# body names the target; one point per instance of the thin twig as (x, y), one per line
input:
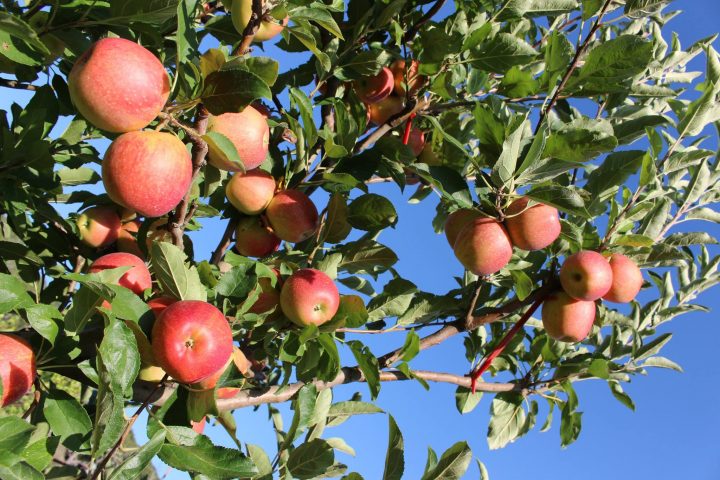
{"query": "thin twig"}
(410, 34)
(224, 243)
(251, 28)
(4, 82)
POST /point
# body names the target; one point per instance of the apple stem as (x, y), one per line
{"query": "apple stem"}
(408, 127)
(475, 374)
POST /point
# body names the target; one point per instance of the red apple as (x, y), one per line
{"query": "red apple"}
(532, 228)
(241, 12)
(269, 297)
(380, 112)
(292, 216)
(118, 85)
(136, 279)
(376, 88)
(567, 319)
(248, 131)
(148, 171)
(241, 363)
(99, 226)
(309, 296)
(250, 192)
(627, 279)
(456, 221)
(199, 427)
(429, 157)
(253, 239)
(158, 304)
(416, 141)
(414, 80)
(483, 246)
(127, 241)
(17, 368)
(191, 340)
(586, 275)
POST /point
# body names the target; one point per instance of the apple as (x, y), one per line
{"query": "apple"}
(309, 296)
(456, 221)
(241, 12)
(191, 340)
(586, 275)
(429, 157)
(567, 319)
(136, 279)
(483, 246)
(380, 112)
(199, 427)
(98, 226)
(416, 141)
(532, 228)
(373, 89)
(292, 216)
(250, 192)
(17, 367)
(158, 304)
(241, 363)
(627, 279)
(118, 85)
(253, 239)
(149, 369)
(127, 241)
(147, 171)
(414, 80)
(249, 133)
(269, 297)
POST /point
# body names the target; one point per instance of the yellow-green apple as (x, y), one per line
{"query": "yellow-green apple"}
(380, 112)
(150, 371)
(269, 297)
(586, 275)
(483, 246)
(627, 279)
(456, 221)
(532, 228)
(429, 157)
(99, 226)
(254, 239)
(309, 296)
(414, 80)
(191, 340)
(17, 367)
(147, 171)
(127, 240)
(567, 319)
(250, 192)
(118, 85)
(373, 89)
(269, 27)
(416, 141)
(292, 216)
(136, 278)
(249, 133)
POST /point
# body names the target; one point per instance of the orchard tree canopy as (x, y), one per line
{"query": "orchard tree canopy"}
(564, 140)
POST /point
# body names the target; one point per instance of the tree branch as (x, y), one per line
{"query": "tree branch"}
(4, 82)
(251, 28)
(393, 122)
(224, 243)
(410, 34)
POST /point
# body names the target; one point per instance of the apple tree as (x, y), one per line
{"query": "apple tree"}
(563, 143)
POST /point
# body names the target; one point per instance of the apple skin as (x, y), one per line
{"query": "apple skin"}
(456, 221)
(250, 192)
(414, 81)
(483, 246)
(158, 304)
(269, 297)
(99, 226)
(627, 279)
(241, 363)
(147, 171)
(118, 85)
(380, 112)
(309, 296)
(253, 239)
(374, 89)
(429, 157)
(292, 216)
(532, 228)
(248, 131)
(241, 10)
(127, 242)
(136, 279)
(149, 369)
(17, 368)
(567, 319)
(586, 275)
(199, 427)
(416, 141)
(191, 340)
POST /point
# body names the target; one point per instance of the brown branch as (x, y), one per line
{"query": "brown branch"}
(410, 34)
(224, 243)
(392, 122)
(251, 28)
(4, 82)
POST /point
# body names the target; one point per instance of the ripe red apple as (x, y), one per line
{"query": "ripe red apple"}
(118, 85)
(248, 131)
(376, 88)
(17, 368)
(191, 340)
(158, 304)
(586, 275)
(483, 246)
(627, 279)
(567, 319)
(253, 239)
(414, 80)
(416, 141)
(241, 12)
(456, 221)
(250, 192)
(380, 112)
(309, 296)
(241, 363)
(292, 216)
(136, 279)
(127, 241)
(269, 297)
(532, 228)
(99, 226)
(147, 171)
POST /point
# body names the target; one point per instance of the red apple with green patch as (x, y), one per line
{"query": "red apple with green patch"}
(402, 78)
(483, 246)
(99, 226)
(308, 297)
(254, 239)
(532, 228)
(136, 278)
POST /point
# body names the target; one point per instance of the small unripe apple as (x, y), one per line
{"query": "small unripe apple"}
(250, 192)
(375, 88)
(456, 221)
(127, 240)
(380, 112)
(567, 319)
(586, 275)
(17, 368)
(118, 85)
(241, 12)
(191, 340)
(147, 171)
(414, 80)
(292, 216)
(416, 141)
(249, 133)
(99, 226)
(627, 279)
(136, 278)
(483, 246)
(532, 228)
(309, 296)
(253, 239)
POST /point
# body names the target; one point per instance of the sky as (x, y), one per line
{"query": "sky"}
(672, 434)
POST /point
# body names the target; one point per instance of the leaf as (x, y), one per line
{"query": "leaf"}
(304, 105)
(174, 277)
(14, 437)
(311, 459)
(20, 471)
(199, 455)
(121, 357)
(565, 199)
(617, 167)
(44, 320)
(320, 16)
(13, 294)
(581, 140)
(366, 256)
(504, 169)
(653, 347)
(395, 456)
(518, 83)
(77, 176)
(452, 464)
(507, 419)
(123, 12)
(639, 8)
(599, 368)
(261, 461)
(570, 426)
(109, 412)
(224, 150)
(371, 212)
(352, 309)
(233, 90)
(501, 52)
(622, 397)
(134, 464)
(368, 365)
(465, 400)
(613, 63)
(68, 419)
(411, 347)
(341, 411)
(364, 64)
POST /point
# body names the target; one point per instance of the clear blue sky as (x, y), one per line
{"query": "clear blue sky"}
(674, 433)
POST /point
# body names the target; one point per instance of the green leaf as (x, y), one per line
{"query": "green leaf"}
(175, 278)
(134, 464)
(352, 309)
(364, 64)
(518, 83)
(120, 355)
(311, 459)
(20, 42)
(639, 8)
(68, 419)
(504, 169)
(20, 471)
(662, 362)
(109, 412)
(341, 411)
(301, 101)
(605, 181)
(653, 347)
(581, 140)
(570, 426)
(465, 400)
(563, 198)
(612, 63)
(13, 294)
(371, 212)
(411, 347)
(14, 437)
(507, 419)
(261, 461)
(501, 52)
(44, 320)
(599, 368)
(452, 464)
(77, 176)
(233, 90)
(320, 16)
(622, 397)
(223, 148)
(368, 365)
(199, 455)
(395, 456)
(523, 284)
(125, 12)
